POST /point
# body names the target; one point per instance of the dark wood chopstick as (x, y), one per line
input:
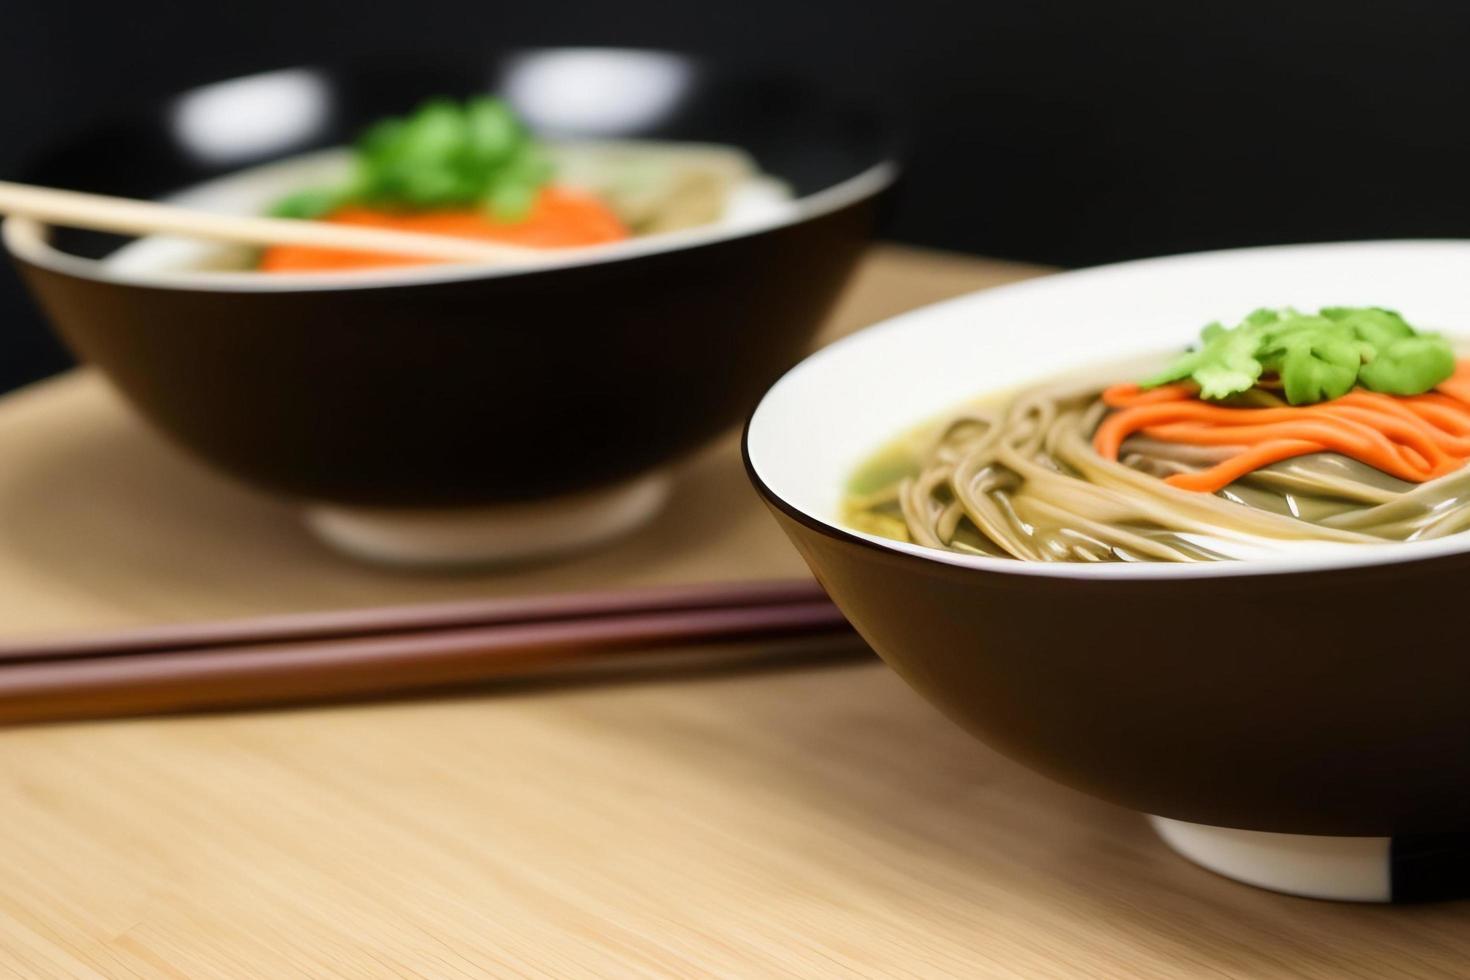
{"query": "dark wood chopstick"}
(333, 667)
(415, 618)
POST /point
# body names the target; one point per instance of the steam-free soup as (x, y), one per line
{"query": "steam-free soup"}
(1344, 427)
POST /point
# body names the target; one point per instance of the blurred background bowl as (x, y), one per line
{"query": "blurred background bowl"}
(426, 388)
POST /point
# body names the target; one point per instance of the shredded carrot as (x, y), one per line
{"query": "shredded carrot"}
(559, 218)
(1457, 385)
(1239, 465)
(1415, 439)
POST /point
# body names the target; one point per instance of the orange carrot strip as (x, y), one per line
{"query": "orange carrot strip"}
(1224, 473)
(1416, 438)
(1446, 412)
(1457, 385)
(1447, 420)
(1413, 434)
(1343, 436)
(1120, 425)
(1413, 438)
(1447, 438)
(559, 218)
(1128, 395)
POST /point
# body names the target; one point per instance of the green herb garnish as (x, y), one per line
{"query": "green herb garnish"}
(444, 155)
(1315, 357)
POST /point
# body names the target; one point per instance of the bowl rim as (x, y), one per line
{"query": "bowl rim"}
(27, 240)
(1371, 556)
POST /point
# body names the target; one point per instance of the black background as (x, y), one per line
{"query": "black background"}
(1068, 132)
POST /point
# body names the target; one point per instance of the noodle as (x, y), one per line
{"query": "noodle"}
(1026, 482)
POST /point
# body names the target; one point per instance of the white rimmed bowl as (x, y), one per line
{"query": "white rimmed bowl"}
(1297, 721)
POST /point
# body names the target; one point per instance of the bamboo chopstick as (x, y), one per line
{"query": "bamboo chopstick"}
(100, 212)
(385, 620)
(341, 655)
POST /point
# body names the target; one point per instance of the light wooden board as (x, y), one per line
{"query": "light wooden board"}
(814, 822)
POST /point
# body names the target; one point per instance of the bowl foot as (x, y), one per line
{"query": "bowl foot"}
(1345, 869)
(1402, 868)
(499, 534)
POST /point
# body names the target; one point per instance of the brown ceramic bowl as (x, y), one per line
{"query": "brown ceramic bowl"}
(408, 408)
(1242, 703)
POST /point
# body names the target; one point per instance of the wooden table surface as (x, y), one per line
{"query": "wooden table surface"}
(819, 821)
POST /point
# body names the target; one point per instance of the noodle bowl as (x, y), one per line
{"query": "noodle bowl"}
(426, 413)
(1055, 596)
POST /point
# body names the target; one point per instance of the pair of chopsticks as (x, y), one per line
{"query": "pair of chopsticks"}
(101, 212)
(389, 651)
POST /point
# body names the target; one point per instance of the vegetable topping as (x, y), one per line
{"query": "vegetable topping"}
(1314, 357)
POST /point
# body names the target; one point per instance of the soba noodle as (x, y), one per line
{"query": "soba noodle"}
(1024, 481)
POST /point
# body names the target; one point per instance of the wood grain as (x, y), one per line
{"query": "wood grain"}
(816, 822)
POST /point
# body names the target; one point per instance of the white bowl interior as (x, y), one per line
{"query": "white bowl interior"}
(843, 403)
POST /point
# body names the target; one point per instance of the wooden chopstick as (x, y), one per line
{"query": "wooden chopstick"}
(139, 680)
(101, 212)
(420, 617)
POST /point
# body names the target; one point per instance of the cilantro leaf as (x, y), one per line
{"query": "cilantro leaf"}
(1316, 357)
(310, 203)
(1318, 367)
(1376, 326)
(1229, 364)
(1409, 365)
(443, 155)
